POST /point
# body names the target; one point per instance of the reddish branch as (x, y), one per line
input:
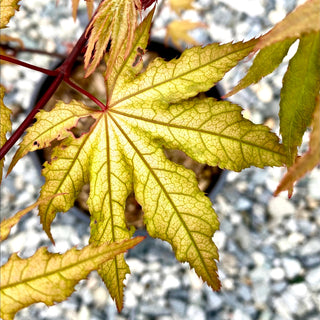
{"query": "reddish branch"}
(62, 73)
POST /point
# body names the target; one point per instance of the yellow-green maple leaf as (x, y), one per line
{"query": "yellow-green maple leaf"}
(5, 125)
(123, 151)
(8, 9)
(51, 277)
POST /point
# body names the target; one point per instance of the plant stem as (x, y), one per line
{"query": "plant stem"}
(86, 93)
(17, 50)
(27, 121)
(29, 66)
(61, 73)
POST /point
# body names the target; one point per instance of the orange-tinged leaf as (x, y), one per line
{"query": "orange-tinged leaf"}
(179, 5)
(8, 9)
(50, 277)
(50, 126)
(75, 4)
(304, 19)
(5, 125)
(177, 31)
(7, 224)
(306, 162)
(115, 19)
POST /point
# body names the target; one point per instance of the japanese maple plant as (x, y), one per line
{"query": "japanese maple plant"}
(143, 112)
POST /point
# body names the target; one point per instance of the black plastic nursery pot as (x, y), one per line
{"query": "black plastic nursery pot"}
(210, 179)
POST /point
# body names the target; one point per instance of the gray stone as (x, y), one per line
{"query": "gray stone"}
(279, 287)
(312, 247)
(313, 278)
(214, 301)
(178, 307)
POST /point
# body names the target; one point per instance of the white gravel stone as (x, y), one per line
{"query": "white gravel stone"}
(280, 207)
(195, 312)
(240, 315)
(277, 274)
(292, 267)
(136, 266)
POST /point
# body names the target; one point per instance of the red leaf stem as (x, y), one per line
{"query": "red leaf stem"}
(29, 66)
(86, 93)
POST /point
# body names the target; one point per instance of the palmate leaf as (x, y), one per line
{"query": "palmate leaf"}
(51, 277)
(123, 152)
(306, 162)
(8, 9)
(301, 86)
(5, 125)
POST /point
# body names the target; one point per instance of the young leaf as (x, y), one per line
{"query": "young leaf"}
(115, 19)
(5, 125)
(51, 277)
(177, 30)
(309, 160)
(7, 224)
(123, 151)
(75, 5)
(266, 61)
(304, 19)
(8, 9)
(301, 85)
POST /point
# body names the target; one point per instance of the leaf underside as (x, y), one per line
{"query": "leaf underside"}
(124, 151)
(301, 85)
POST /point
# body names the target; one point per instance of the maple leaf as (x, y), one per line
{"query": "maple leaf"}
(266, 61)
(301, 85)
(8, 9)
(5, 125)
(304, 19)
(115, 19)
(124, 151)
(51, 277)
(308, 161)
(177, 30)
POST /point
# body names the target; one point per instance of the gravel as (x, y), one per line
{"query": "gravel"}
(269, 247)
